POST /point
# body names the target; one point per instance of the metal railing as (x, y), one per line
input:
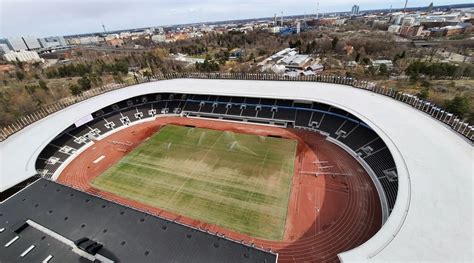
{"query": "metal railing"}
(456, 123)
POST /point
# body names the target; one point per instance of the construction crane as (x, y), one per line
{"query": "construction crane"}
(317, 10)
(103, 26)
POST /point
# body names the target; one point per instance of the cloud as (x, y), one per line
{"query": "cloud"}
(63, 17)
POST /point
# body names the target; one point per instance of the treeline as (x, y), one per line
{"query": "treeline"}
(193, 49)
(79, 69)
(207, 66)
(438, 70)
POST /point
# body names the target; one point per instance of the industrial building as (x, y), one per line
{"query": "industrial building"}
(50, 42)
(355, 10)
(22, 56)
(16, 44)
(31, 43)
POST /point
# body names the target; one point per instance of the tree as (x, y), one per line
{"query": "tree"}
(423, 94)
(366, 61)
(147, 74)
(84, 83)
(75, 89)
(357, 58)
(383, 70)
(20, 75)
(425, 84)
(334, 43)
(43, 85)
(252, 57)
(403, 54)
(458, 106)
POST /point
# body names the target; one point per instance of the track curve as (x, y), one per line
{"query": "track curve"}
(326, 215)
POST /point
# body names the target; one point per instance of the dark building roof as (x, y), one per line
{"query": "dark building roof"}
(127, 235)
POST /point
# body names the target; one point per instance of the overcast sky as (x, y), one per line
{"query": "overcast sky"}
(64, 17)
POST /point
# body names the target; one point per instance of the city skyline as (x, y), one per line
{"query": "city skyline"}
(88, 16)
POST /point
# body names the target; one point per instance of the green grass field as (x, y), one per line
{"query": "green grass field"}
(238, 181)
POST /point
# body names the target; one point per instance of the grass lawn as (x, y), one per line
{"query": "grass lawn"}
(238, 181)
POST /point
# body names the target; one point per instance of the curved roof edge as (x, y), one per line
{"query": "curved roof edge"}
(433, 210)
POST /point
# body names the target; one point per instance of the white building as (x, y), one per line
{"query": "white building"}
(386, 62)
(189, 60)
(23, 56)
(125, 35)
(49, 42)
(408, 21)
(110, 37)
(274, 30)
(395, 29)
(32, 43)
(158, 38)
(17, 43)
(89, 40)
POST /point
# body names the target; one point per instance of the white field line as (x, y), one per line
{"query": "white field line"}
(99, 159)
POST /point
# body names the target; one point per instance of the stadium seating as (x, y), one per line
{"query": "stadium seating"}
(317, 117)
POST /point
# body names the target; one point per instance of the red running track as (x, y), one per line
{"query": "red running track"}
(326, 215)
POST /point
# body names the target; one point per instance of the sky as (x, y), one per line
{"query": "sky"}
(41, 18)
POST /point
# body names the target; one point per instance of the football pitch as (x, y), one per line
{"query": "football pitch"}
(237, 181)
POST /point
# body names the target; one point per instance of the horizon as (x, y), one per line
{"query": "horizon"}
(86, 19)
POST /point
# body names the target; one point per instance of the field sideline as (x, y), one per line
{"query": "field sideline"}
(237, 181)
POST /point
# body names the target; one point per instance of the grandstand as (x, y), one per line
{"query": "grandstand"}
(331, 121)
(396, 144)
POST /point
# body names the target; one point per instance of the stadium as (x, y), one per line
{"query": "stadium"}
(238, 169)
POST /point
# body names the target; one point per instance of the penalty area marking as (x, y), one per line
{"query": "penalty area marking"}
(99, 159)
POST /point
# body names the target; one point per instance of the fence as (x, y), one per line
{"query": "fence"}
(456, 123)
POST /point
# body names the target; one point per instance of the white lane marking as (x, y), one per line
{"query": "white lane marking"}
(99, 159)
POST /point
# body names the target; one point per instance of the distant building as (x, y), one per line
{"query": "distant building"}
(89, 40)
(4, 49)
(386, 62)
(355, 10)
(32, 43)
(160, 30)
(116, 42)
(287, 59)
(408, 21)
(274, 29)
(349, 49)
(295, 61)
(453, 30)
(5, 42)
(395, 29)
(23, 56)
(236, 53)
(316, 67)
(50, 42)
(125, 35)
(158, 38)
(7, 68)
(17, 44)
(186, 59)
(351, 64)
(437, 32)
(330, 21)
(111, 37)
(411, 31)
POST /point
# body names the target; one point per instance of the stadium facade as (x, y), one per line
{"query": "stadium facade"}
(431, 217)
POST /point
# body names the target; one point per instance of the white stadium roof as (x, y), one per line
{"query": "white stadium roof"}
(432, 218)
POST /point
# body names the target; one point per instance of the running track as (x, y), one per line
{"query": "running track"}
(326, 215)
